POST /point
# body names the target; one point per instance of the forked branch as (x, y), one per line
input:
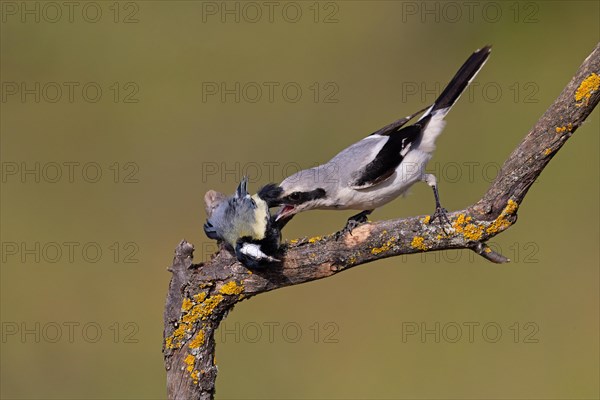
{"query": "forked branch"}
(200, 295)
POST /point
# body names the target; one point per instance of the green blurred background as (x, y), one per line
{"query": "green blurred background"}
(84, 325)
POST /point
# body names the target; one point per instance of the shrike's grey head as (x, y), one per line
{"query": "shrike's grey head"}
(298, 192)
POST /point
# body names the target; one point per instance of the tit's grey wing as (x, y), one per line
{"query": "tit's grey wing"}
(388, 158)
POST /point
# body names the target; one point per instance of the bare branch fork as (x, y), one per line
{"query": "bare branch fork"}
(200, 295)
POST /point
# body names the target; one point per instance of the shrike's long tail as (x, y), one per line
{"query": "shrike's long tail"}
(460, 81)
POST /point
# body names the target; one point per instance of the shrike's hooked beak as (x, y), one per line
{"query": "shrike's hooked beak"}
(285, 211)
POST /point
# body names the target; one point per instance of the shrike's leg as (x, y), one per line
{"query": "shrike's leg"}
(359, 218)
(353, 222)
(440, 212)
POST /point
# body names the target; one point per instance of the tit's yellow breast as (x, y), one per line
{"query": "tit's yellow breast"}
(261, 216)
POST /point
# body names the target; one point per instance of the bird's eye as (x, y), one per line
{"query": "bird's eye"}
(296, 196)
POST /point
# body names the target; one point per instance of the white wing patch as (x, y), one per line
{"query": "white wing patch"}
(433, 129)
(405, 147)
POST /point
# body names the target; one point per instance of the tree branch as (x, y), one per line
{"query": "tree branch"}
(200, 295)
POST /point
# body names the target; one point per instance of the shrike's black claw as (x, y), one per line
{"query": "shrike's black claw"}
(353, 222)
(442, 215)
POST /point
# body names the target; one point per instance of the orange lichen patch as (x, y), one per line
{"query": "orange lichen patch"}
(186, 305)
(462, 225)
(385, 247)
(190, 317)
(208, 306)
(201, 310)
(195, 377)
(294, 241)
(418, 242)
(426, 219)
(199, 298)
(587, 87)
(231, 288)
(460, 220)
(197, 341)
(501, 223)
(190, 360)
(511, 207)
(563, 129)
(174, 341)
(314, 239)
(547, 151)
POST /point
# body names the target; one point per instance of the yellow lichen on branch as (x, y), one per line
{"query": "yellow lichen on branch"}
(190, 361)
(463, 226)
(502, 222)
(186, 305)
(587, 87)
(231, 288)
(385, 247)
(198, 341)
(314, 239)
(207, 307)
(200, 308)
(418, 242)
(563, 129)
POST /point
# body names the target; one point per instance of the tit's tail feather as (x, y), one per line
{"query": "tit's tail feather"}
(460, 81)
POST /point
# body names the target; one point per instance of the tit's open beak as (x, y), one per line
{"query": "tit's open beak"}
(285, 211)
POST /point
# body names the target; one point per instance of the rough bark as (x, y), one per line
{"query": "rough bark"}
(200, 295)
